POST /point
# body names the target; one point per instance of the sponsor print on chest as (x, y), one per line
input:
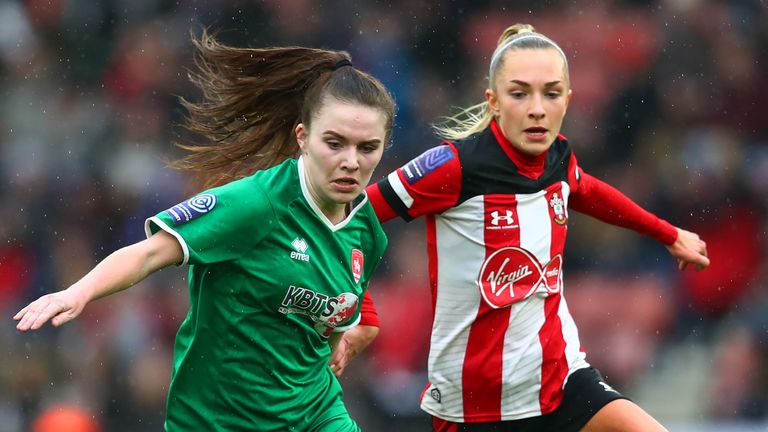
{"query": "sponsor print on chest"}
(513, 274)
(523, 236)
(326, 312)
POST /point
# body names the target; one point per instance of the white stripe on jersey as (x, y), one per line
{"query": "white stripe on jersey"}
(577, 359)
(522, 398)
(459, 236)
(399, 188)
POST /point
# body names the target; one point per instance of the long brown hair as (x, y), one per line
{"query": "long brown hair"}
(477, 117)
(253, 98)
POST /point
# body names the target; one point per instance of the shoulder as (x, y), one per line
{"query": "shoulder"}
(262, 193)
(279, 178)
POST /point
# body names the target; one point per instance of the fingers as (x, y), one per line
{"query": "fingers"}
(38, 313)
(337, 370)
(337, 363)
(21, 313)
(62, 318)
(689, 248)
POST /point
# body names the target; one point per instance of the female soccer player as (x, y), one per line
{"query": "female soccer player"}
(505, 353)
(278, 258)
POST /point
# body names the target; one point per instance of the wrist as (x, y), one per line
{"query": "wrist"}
(80, 293)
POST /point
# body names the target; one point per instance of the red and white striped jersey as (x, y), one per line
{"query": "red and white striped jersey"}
(503, 341)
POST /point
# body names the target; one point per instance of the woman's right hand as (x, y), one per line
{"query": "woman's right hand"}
(59, 308)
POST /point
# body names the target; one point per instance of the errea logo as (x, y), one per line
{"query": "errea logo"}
(301, 247)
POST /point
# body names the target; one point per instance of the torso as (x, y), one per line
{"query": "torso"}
(503, 341)
(255, 341)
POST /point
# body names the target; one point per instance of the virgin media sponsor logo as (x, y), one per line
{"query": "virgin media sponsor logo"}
(513, 274)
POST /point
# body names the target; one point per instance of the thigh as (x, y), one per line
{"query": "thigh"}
(586, 393)
(622, 416)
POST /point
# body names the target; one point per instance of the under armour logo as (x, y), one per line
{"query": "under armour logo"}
(496, 217)
(607, 387)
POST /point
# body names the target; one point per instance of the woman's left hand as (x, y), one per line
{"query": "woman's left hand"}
(689, 249)
(345, 346)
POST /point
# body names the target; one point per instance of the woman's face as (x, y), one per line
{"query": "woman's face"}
(341, 150)
(529, 98)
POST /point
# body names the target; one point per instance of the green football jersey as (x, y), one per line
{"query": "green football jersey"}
(270, 278)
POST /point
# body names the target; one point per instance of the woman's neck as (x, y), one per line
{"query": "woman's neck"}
(531, 166)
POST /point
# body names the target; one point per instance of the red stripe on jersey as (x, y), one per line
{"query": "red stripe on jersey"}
(432, 257)
(554, 367)
(483, 361)
(383, 210)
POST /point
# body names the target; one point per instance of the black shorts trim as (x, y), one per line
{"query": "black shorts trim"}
(585, 393)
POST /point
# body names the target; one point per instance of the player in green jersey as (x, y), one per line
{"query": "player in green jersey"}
(280, 249)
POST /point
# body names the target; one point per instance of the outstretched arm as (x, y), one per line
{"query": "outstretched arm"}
(120, 270)
(606, 203)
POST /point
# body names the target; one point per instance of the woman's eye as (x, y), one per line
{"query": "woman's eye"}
(334, 144)
(368, 148)
(517, 94)
(553, 94)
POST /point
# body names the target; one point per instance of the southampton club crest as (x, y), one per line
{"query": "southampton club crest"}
(558, 208)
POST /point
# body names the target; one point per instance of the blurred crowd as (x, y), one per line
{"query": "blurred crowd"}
(668, 106)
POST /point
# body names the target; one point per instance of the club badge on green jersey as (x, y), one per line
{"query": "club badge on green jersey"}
(191, 208)
(357, 264)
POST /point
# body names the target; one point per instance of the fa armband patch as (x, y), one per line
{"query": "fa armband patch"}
(191, 208)
(429, 161)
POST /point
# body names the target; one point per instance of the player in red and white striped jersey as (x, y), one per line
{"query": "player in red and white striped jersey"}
(505, 352)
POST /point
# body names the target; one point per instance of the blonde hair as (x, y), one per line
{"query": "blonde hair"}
(477, 117)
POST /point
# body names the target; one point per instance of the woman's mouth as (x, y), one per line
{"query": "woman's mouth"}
(345, 184)
(536, 133)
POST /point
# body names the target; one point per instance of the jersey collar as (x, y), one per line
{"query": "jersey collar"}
(527, 165)
(357, 204)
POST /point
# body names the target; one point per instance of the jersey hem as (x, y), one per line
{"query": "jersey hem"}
(481, 418)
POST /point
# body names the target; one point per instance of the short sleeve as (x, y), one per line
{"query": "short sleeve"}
(428, 184)
(220, 224)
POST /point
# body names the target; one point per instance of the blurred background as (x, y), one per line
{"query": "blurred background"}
(670, 105)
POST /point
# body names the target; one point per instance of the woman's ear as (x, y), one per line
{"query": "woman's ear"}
(301, 137)
(493, 102)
